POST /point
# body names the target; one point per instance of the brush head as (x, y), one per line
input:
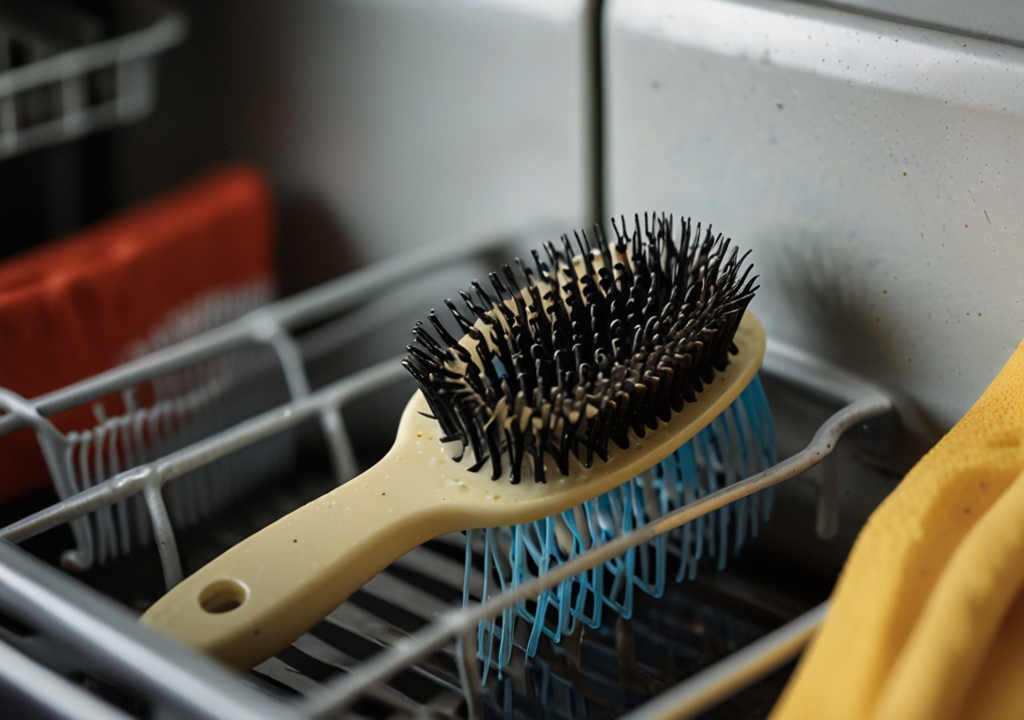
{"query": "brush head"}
(592, 342)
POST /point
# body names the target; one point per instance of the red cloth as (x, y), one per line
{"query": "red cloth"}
(72, 308)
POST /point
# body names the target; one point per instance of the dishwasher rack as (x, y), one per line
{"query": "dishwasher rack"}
(54, 89)
(36, 600)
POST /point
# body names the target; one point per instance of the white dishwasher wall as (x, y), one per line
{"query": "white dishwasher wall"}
(874, 167)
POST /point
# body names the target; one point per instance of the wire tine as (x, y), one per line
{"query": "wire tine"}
(469, 674)
(164, 535)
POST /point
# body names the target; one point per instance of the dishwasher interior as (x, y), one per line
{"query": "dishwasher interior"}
(850, 179)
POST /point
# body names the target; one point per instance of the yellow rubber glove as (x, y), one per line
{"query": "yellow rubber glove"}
(902, 551)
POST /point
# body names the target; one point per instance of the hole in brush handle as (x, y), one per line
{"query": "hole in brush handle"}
(223, 596)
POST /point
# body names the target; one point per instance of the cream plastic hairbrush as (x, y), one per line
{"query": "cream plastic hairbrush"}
(262, 594)
(683, 309)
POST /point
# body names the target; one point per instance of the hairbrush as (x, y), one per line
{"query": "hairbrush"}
(571, 378)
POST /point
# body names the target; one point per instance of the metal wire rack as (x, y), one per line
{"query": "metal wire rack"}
(53, 611)
(63, 76)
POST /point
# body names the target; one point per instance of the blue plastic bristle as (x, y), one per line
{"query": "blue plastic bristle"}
(737, 444)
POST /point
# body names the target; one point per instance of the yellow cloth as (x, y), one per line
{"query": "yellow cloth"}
(895, 579)
(998, 692)
(950, 640)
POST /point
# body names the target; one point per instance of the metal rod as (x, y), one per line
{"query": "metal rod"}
(84, 624)
(830, 383)
(743, 668)
(293, 365)
(55, 448)
(163, 532)
(826, 521)
(270, 331)
(48, 691)
(166, 32)
(469, 674)
(341, 694)
(343, 456)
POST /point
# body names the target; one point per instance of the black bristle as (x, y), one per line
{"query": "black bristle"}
(577, 353)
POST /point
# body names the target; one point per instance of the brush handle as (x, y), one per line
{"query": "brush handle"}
(262, 594)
